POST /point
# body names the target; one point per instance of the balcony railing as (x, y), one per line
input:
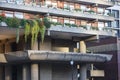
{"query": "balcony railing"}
(56, 11)
(76, 31)
(99, 2)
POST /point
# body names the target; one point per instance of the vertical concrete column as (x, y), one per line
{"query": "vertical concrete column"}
(82, 47)
(83, 72)
(83, 68)
(45, 71)
(1, 72)
(26, 72)
(34, 72)
(8, 73)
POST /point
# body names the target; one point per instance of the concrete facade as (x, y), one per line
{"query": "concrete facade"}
(64, 48)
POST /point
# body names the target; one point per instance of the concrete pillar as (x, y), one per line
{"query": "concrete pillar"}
(83, 72)
(45, 72)
(34, 72)
(8, 73)
(26, 72)
(19, 72)
(1, 72)
(83, 68)
(82, 47)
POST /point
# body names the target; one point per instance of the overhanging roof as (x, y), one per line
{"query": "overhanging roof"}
(35, 55)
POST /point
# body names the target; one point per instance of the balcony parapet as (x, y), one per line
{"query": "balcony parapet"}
(99, 2)
(55, 11)
(76, 31)
(35, 55)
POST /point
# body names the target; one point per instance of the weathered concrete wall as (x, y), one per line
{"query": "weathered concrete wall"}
(46, 45)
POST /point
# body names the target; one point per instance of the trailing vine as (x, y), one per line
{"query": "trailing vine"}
(31, 27)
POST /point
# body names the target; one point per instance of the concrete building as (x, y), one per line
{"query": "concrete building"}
(64, 54)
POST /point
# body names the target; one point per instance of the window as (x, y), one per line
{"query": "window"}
(48, 2)
(8, 14)
(54, 19)
(18, 15)
(115, 13)
(83, 22)
(116, 24)
(100, 11)
(83, 7)
(66, 5)
(71, 6)
(54, 4)
(72, 21)
(66, 20)
(100, 25)
(106, 12)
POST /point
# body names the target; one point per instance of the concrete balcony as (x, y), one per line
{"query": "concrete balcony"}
(67, 32)
(51, 11)
(36, 55)
(102, 3)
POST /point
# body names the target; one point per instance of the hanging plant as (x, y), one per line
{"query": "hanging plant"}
(42, 29)
(2, 18)
(31, 27)
(46, 22)
(27, 30)
(34, 31)
(12, 22)
(17, 35)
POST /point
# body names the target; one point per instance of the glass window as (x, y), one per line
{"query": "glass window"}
(8, 14)
(115, 13)
(83, 7)
(54, 4)
(48, 2)
(18, 15)
(71, 6)
(116, 23)
(83, 22)
(54, 19)
(66, 5)
(100, 10)
(66, 20)
(106, 12)
(72, 21)
(100, 25)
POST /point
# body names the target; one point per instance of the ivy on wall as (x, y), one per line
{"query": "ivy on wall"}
(32, 27)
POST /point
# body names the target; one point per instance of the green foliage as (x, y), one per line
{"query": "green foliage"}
(83, 26)
(12, 22)
(94, 28)
(2, 18)
(78, 10)
(46, 22)
(31, 27)
(56, 23)
(17, 35)
(27, 31)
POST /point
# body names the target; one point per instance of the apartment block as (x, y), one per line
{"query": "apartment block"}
(65, 51)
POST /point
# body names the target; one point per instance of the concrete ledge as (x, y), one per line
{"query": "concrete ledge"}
(35, 55)
(63, 56)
